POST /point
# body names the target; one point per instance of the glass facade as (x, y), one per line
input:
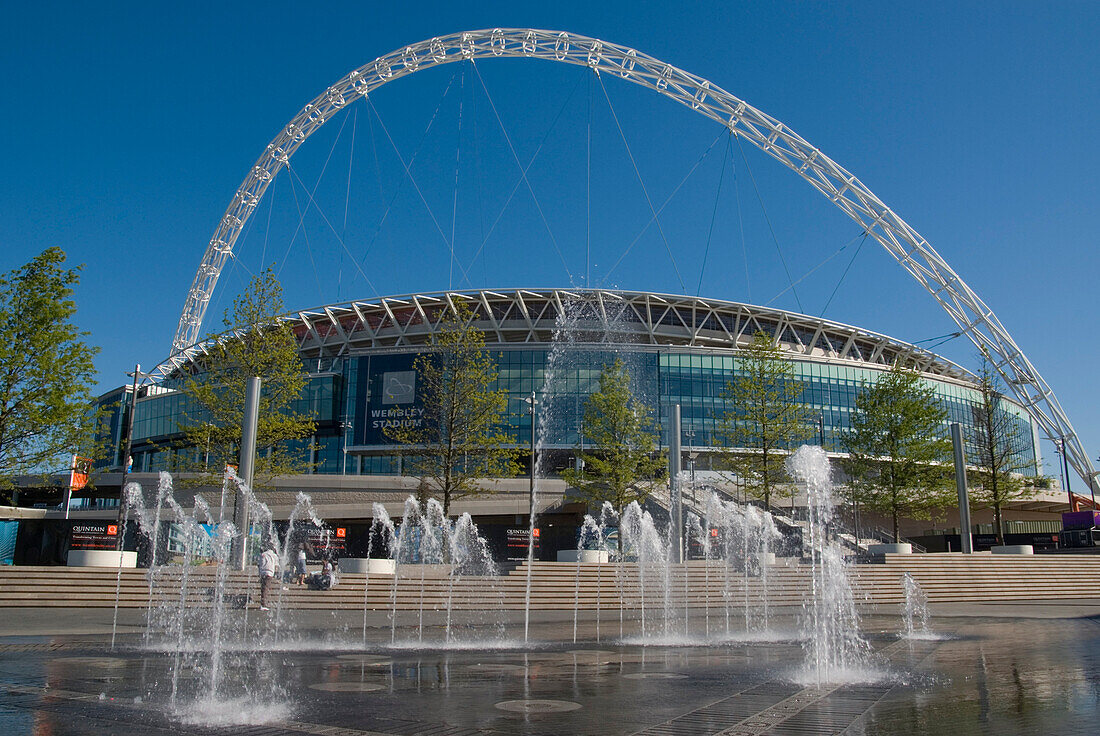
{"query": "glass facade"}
(368, 393)
(158, 419)
(562, 381)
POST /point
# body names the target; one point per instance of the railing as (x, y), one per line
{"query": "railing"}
(786, 519)
(887, 537)
(1030, 526)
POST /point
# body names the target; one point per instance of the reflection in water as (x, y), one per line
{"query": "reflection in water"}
(1004, 677)
(994, 677)
(983, 687)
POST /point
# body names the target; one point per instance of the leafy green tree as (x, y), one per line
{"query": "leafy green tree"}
(899, 454)
(255, 343)
(460, 439)
(623, 461)
(46, 371)
(996, 447)
(765, 419)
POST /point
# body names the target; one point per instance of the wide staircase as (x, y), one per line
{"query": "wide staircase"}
(950, 577)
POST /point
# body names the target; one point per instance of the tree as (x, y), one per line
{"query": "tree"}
(898, 451)
(46, 371)
(623, 460)
(996, 450)
(256, 343)
(765, 417)
(460, 439)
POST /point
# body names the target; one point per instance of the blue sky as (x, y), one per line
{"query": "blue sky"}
(129, 127)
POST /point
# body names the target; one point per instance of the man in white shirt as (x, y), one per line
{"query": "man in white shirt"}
(267, 565)
(302, 569)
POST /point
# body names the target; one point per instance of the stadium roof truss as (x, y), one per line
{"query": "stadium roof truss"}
(974, 318)
(515, 318)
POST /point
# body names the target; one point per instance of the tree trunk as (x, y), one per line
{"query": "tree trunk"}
(998, 528)
(897, 533)
(619, 536)
(422, 492)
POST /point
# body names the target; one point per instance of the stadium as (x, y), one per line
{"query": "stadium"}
(678, 350)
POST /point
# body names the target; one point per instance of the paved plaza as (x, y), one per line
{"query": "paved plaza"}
(993, 669)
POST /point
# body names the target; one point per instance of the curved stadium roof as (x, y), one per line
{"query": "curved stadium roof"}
(609, 317)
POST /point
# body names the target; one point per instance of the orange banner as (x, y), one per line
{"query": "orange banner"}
(82, 468)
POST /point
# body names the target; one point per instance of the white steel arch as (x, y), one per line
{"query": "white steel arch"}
(975, 320)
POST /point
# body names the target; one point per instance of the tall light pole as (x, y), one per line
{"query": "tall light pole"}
(959, 447)
(531, 402)
(247, 466)
(1065, 472)
(580, 460)
(1093, 480)
(345, 426)
(691, 455)
(675, 498)
(127, 447)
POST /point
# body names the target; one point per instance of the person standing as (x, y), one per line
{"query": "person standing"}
(302, 569)
(267, 565)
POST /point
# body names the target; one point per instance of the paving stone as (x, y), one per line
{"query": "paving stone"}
(1009, 673)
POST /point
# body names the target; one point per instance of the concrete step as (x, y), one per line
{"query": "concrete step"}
(944, 577)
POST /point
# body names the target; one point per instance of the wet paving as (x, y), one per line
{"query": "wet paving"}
(985, 675)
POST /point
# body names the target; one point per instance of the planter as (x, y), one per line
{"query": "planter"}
(373, 566)
(586, 555)
(1013, 549)
(766, 558)
(100, 558)
(890, 549)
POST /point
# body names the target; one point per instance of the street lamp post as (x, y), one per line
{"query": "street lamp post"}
(531, 402)
(959, 447)
(675, 495)
(127, 446)
(1065, 472)
(1092, 486)
(580, 458)
(249, 428)
(691, 455)
(345, 425)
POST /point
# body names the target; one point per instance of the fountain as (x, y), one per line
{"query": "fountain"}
(835, 651)
(221, 656)
(436, 548)
(573, 337)
(469, 556)
(590, 537)
(592, 548)
(914, 609)
(743, 540)
(381, 527)
(189, 612)
(694, 530)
